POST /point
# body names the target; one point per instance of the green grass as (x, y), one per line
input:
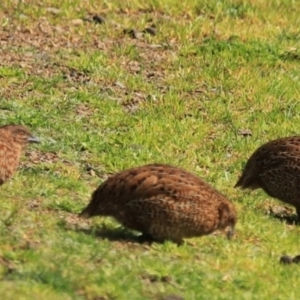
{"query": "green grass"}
(103, 101)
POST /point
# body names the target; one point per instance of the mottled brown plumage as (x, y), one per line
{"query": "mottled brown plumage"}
(162, 202)
(13, 138)
(275, 167)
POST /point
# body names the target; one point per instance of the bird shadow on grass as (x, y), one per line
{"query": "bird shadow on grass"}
(284, 214)
(113, 234)
(290, 220)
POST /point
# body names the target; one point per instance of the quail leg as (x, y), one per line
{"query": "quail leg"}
(145, 238)
(148, 238)
(298, 213)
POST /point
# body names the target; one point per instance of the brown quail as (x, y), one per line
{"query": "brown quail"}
(275, 167)
(162, 202)
(13, 138)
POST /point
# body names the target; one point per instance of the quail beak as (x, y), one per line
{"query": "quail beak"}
(33, 139)
(230, 232)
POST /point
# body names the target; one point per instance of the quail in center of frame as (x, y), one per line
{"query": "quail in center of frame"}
(13, 138)
(163, 203)
(275, 167)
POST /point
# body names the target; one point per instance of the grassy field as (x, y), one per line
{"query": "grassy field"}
(208, 84)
